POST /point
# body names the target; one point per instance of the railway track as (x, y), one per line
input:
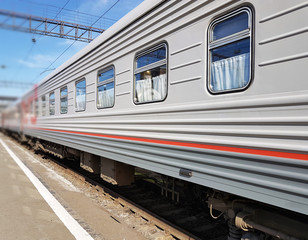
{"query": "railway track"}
(143, 207)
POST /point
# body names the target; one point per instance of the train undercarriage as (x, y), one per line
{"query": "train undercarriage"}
(245, 218)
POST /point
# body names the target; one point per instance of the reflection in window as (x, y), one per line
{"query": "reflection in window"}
(151, 57)
(105, 88)
(81, 95)
(63, 100)
(230, 48)
(150, 75)
(52, 103)
(232, 25)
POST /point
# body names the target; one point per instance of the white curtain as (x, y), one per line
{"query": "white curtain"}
(144, 90)
(230, 73)
(159, 87)
(52, 109)
(105, 98)
(151, 89)
(80, 101)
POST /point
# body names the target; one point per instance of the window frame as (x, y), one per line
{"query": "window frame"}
(99, 84)
(85, 106)
(233, 38)
(61, 97)
(149, 67)
(54, 103)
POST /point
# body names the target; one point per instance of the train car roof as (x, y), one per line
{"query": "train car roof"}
(125, 21)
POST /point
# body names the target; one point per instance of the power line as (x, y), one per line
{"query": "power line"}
(70, 11)
(57, 14)
(20, 67)
(59, 57)
(105, 12)
(81, 35)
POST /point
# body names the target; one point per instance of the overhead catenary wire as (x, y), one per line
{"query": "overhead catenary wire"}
(14, 77)
(20, 67)
(106, 12)
(51, 64)
(47, 69)
(70, 14)
(28, 55)
(57, 14)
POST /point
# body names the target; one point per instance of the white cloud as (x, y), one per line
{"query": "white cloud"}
(77, 45)
(37, 61)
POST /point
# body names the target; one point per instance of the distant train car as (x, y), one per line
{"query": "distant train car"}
(10, 118)
(210, 92)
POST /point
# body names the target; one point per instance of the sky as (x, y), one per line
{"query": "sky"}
(27, 57)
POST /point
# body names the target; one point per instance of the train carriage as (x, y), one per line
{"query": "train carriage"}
(209, 92)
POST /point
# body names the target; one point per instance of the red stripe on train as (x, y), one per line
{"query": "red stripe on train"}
(297, 156)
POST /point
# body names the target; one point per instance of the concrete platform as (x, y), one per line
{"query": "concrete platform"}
(25, 214)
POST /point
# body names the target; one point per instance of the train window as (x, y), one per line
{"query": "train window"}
(63, 100)
(151, 75)
(43, 105)
(230, 52)
(105, 88)
(31, 107)
(36, 107)
(52, 103)
(80, 95)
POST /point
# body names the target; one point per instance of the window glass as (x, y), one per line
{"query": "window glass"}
(63, 92)
(43, 106)
(52, 103)
(105, 88)
(151, 76)
(231, 50)
(106, 75)
(230, 57)
(31, 107)
(81, 95)
(231, 25)
(36, 107)
(151, 57)
(63, 100)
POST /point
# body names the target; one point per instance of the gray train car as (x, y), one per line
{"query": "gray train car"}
(209, 92)
(10, 118)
